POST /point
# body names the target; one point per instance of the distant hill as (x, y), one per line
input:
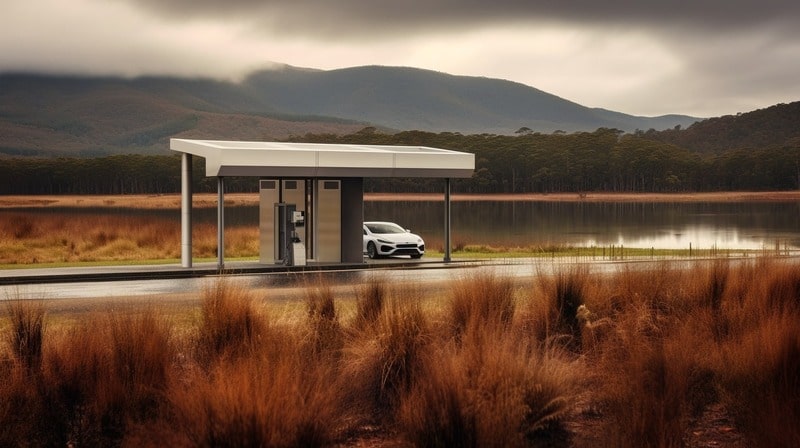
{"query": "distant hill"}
(775, 125)
(408, 98)
(77, 116)
(87, 116)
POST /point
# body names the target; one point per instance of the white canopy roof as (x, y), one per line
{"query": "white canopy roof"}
(277, 159)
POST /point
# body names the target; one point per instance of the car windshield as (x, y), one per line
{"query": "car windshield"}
(385, 228)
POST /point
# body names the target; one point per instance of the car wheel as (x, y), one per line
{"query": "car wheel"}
(372, 251)
(416, 256)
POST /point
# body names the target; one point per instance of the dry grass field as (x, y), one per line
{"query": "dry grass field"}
(28, 238)
(635, 358)
(173, 201)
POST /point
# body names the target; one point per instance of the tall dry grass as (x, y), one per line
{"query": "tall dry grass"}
(231, 325)
(564, 293)
(483, 383)
(371, 298)
(643, 382)
(759, 363)
(492, 363)
(26, 333)
(141, 356)
(253, 383)
(683, 340)
(271, 398)
(325, 337)
(490, 389)
(92, 385)
(480, 301)
(549, 311)
(20, 357)
(381, 362)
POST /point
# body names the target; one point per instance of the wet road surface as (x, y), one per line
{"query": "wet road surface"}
(412, 274)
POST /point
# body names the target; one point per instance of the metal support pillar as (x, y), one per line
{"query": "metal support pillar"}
(447, 220)
(186, 210)
(220, 222)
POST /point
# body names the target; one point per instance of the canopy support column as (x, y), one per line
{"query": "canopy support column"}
(447, 220)
(220, 223)
(186, 210)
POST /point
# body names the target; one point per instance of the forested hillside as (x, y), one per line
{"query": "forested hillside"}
(776, 125)
(603, 160)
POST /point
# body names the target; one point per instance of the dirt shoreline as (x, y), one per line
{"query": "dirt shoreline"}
(173, 201)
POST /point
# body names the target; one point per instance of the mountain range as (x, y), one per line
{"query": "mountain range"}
(49, 115)
(409, 98)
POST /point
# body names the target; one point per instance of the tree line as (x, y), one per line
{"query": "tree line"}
(117, 174)
(603, 160)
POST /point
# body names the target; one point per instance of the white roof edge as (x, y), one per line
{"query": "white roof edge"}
(251, 158)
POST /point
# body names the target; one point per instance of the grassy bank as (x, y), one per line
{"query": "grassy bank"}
(32, 239)
(663, 357)
(209, 200)
(85, 239)
(81, 237)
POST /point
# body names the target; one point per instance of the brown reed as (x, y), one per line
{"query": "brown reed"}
(485, 365)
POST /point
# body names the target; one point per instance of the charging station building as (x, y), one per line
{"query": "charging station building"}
(324, 181)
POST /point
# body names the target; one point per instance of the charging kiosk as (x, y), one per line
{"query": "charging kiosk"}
(301, 220)
(324, 183)
(289, 223)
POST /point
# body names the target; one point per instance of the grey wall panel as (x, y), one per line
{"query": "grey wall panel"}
(268, 196)
(352, 219)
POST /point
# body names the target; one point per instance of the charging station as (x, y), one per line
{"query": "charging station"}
(311, 195)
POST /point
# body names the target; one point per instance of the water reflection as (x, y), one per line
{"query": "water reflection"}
(698, 237)
(657, 225)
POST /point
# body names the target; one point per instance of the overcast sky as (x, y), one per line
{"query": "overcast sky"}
(643, 57)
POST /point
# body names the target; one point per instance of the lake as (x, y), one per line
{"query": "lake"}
(753, 225)
(660, 225)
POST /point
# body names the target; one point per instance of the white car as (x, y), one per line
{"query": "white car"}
(386, 239)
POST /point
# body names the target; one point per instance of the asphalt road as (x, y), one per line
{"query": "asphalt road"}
(398, 273)
(281, 284)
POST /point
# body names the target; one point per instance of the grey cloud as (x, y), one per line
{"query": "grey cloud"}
(733, 53)
(361, 17)
(738, 71)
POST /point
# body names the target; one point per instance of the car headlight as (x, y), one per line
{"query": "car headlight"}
(384, 241)
(419, 241)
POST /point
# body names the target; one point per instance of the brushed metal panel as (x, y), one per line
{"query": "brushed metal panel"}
(328, 220)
